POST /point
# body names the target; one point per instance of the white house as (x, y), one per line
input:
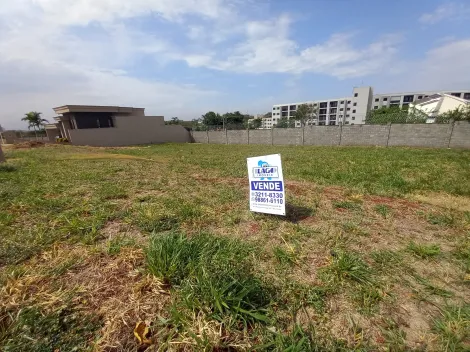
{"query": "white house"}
(437, 104)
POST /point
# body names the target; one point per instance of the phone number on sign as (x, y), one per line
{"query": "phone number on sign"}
(267, 194)
(269, 200)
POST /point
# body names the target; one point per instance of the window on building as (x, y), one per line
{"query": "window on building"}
(456, 94)
(346, 122)
(355, 95)
(332, 117)
(322, 111)
(376, 107)
(385, 99)
(341, 109)
(284, 108)
(333, 111)
(342, 102)
(353, 118)
(408, 98)
(347, 115)
(354, 111)
(352, 124)
(466, 96)
(348, 109)
(349, 101)
(333, 104)
(293, 107)
(376, 99)
(332, 123)
(420, 97)
(355, 104)
(323, 105)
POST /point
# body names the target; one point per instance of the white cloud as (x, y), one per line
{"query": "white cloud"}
(82, 12)
(449, 11)
(42, 87)
(444, 67)
(46, 62)
(267, 47)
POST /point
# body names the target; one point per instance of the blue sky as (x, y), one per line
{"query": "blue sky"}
(186, 57)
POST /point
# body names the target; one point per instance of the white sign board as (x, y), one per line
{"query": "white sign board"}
(266, 184)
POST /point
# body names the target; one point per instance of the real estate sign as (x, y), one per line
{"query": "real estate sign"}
(266, 184)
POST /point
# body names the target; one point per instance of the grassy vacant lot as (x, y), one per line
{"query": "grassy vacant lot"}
(374, 254)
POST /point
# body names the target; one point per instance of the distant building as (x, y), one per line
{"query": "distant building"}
(353, 109)
(112, 126)
(437, 104)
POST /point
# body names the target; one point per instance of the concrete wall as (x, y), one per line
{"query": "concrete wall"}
(131, 130)
(412, 135)
(200, 136)
(365, 135)
(291, 136)
(420, 135)
(217, 137)
(460, 135)
(237, 137)
(261, 137)
(322, 135)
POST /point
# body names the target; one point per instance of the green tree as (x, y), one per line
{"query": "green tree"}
(173, 121)
(304, 113)
(462, 113)
(235, 118)
(284, 122)
(211, 119)
(395, 114)
(34, 120)
(255, 123)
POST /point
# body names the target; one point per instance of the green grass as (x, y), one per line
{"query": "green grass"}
(441, 219)
(285, 255)
(347, 205)
(65, 329)
(424, 251)
(348, 267)
(213, 273)
(383, 210)
(212, 276)
(453, 328)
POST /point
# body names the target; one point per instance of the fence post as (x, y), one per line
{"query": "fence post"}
(272, 135)
(452, 122)
(248, 136)
(303, 135)
(226, 137)
(389, 130)
(207, 133)
(340, 133)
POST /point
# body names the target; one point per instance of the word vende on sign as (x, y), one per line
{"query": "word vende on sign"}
(266, 184)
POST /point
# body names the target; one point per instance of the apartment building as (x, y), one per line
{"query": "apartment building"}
(353, 109)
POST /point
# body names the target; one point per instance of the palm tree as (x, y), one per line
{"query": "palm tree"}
(34, 120)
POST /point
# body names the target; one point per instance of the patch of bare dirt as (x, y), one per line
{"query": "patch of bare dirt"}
(444, 200)
(113, 287)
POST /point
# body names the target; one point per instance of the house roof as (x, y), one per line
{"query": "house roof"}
(93, 108)
(438, 96)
